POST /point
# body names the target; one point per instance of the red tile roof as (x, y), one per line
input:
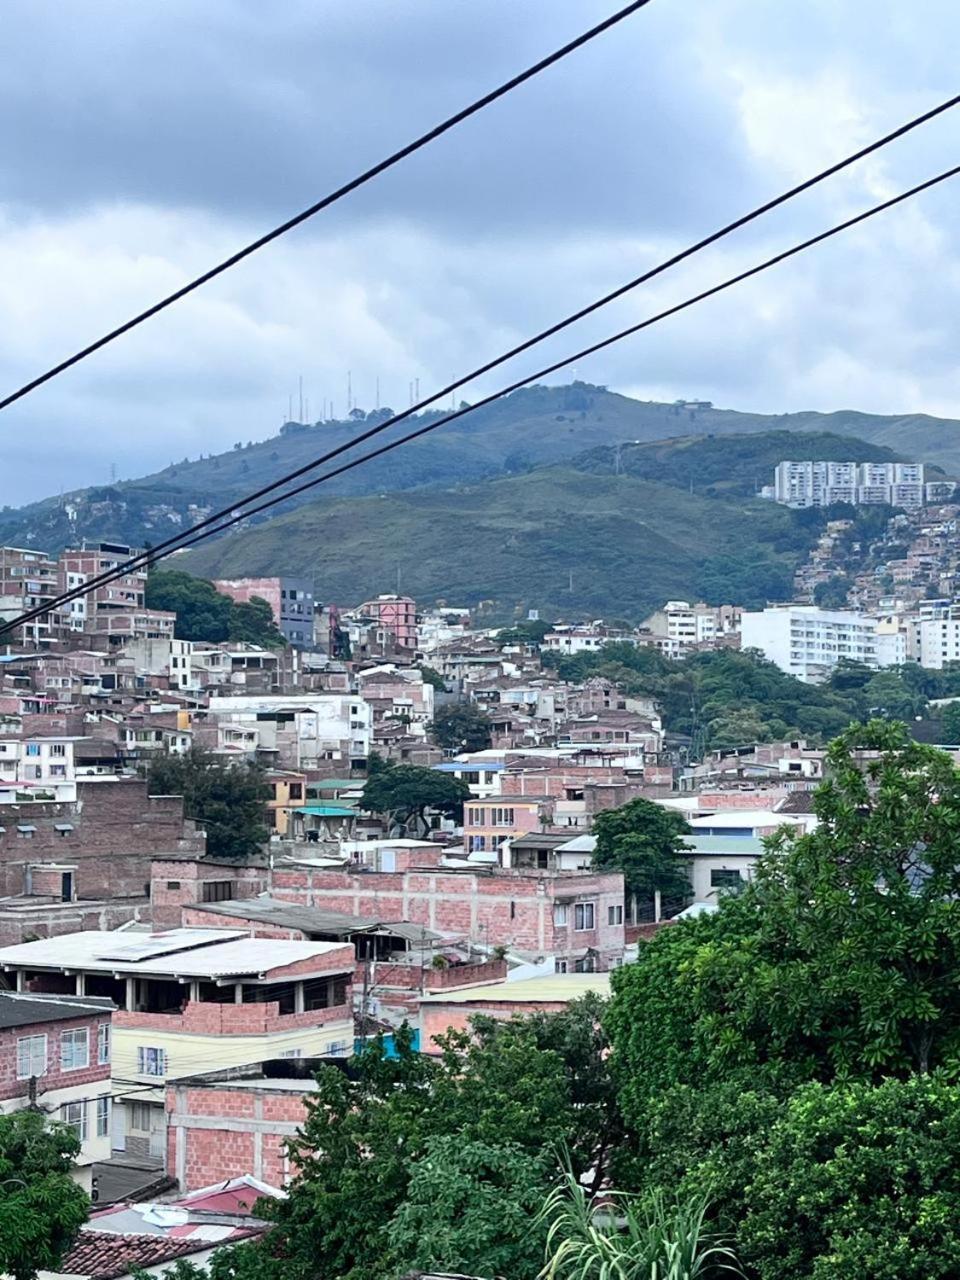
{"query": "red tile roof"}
(105, 1255)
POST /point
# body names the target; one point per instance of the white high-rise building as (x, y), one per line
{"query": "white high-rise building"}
(808, 642)
(821, 484)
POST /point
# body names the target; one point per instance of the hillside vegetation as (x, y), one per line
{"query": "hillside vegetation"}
(533, 427)
(517, 543)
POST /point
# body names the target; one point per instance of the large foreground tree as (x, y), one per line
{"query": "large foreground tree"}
(41, 1207)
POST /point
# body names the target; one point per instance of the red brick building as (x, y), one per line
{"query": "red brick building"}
(55, 1054)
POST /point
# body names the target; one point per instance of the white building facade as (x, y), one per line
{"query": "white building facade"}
(821, 484)
(808, 642)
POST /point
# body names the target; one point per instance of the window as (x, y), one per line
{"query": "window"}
(74, 1114)
(502, 817)
(58, 749)
(103, 1116)
(337, 1047)
(31, 1056)
(291, 1053)
(478, 844)
(173, 884)
(614, 915)
(583, 916)
(151, 1062)
(141, 1115)
(33, 748)
(103, 1043)
(720, 878)
(74, 1049)
(217, 890)
(560, 913)
(560, 966)
(296, 790)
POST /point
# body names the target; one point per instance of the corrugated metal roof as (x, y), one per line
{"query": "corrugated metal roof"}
(18, 1010)
(216, 953)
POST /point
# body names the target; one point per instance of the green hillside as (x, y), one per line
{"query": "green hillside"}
(513, 544)
(531, 428)
(728, 465)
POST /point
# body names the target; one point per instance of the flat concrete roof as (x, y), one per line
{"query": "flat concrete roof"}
(555, 988)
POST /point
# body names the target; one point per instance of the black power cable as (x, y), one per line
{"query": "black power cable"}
(361, 179)
(186, 540)
(575, 357)
(176, 541)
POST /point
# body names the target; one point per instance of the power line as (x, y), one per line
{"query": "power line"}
(586, 351)
(368, 174)
(179, 540)
(234, 517)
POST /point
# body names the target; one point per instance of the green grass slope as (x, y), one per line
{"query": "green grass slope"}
(533, 427)
(513, 544)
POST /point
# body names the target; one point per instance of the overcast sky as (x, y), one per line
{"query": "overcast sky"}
(140, 142)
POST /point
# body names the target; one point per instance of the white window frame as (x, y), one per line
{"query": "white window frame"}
(561, 915)
(27, 1051)
(582, 911)
(614, 914)
(79, 1036)
(144, 1060)
(103, 1116)
(79, 1124)
(103, 1044)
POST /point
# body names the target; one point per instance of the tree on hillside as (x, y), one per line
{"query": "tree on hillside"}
(833, 593)
(227, 799)
(251, 621)
(461, 726)
(204, 614)
(644, 841)
(41, 1207)
(404, 793)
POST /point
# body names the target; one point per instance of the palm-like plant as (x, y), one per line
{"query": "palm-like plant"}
(626, 1238)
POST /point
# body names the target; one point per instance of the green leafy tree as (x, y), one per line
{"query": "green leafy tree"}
(950, 723)
(833, 593)
(404, 793)
(204, 614)
(489, 1112)
(227, 799)
(858, 1181)
(41, 1207)
(252, 622)
(472, 1207)
(644, 841)
(433, 678)
(461, 726)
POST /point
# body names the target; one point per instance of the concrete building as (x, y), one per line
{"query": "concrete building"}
(55, 1054)
(808, 642)
(680, 628)
(300, 731)
(192, 998)
(34, 770)
(821, 484)
(116, 609)
(29, 579)
(290, 601)
(395, 614)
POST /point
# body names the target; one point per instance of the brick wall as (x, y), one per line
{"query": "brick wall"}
(53, 1077)
(178, 883)
(199, 1018)
(24, 924)
(215, 1134)
(117, 830)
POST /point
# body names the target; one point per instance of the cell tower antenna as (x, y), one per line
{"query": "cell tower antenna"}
(300, 419)
(416, 387)
(349, 391)
(377, 405)
(306, 410)
(290, 408)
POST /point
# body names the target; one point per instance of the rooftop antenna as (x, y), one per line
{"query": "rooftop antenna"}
(300, 419)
